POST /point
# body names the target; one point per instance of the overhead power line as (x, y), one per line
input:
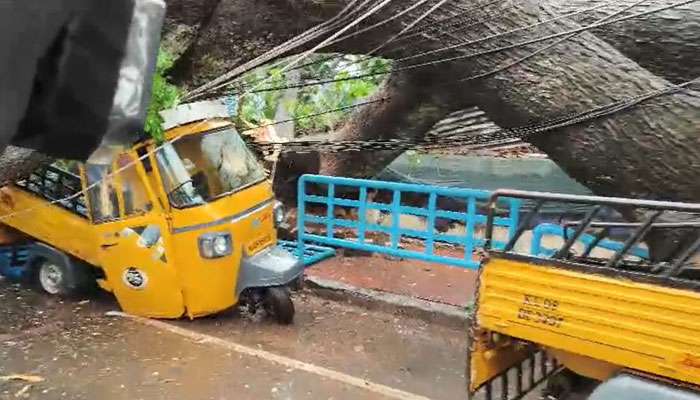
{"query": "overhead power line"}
(336, 57)
(492, 138)
(301, 38)
(475, 54)
(292, 44)
(461, 139)
(512, 31)
(221, 82)
(362, 58)
(547, 47)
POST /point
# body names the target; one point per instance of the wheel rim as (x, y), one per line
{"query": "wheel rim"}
(51, 278)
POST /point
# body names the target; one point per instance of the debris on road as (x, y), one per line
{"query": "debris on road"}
(22, 392)
(22, 377)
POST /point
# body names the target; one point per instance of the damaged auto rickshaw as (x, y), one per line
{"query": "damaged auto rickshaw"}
(182, 228)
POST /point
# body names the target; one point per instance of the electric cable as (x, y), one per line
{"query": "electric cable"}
(468, 56)
(547, 47)
(303, 38)
(219, 82)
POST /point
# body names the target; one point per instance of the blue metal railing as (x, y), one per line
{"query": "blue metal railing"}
(541, 231)
(361, 227)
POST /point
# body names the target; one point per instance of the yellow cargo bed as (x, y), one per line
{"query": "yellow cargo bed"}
(631, 320)
(49, 223)
(595, 296)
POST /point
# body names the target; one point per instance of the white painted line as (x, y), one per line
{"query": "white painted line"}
(287, 362)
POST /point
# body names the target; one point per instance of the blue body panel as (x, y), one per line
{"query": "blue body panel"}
(14, 261)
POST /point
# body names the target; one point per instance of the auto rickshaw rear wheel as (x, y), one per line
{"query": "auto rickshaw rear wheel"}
(52, 277)
(278, 303)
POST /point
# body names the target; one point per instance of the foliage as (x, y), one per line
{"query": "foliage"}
(164, 96)
(260, 108)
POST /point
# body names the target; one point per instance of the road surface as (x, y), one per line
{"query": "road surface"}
(333, 351)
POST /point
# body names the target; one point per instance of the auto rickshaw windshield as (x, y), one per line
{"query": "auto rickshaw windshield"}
(198, 169)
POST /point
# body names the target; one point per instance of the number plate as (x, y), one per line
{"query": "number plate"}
(258, 244)
(540, 310)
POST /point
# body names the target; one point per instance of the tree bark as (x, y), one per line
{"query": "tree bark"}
(409, 107)
(229, 31)
(667, 43)
(673, 33)
(18, 162)
(650, 151)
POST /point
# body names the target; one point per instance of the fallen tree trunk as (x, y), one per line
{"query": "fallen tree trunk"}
(306, 14)
(667, 43)
(649, 151)
(215, 35)
(408, 109)
(224, 33)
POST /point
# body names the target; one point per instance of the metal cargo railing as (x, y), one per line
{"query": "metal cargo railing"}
(653, 216)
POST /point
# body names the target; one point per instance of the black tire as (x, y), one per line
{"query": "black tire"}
(53, 278)
(562, 384)
(74, 278)
(278, 303)
(298, 284)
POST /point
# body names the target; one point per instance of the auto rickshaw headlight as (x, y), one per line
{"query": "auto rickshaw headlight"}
(215, 245)
(278, 213)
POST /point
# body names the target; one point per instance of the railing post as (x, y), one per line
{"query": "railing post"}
(430, 228)
(522, 227)
(362, 217)
(301, 214)
(677, 266)
(569, 242)
(632, 240)
(536, 241)
(330, 210)
(596, 240)
(514, 217)
(469, 228)
(490, 217)
(396, 219)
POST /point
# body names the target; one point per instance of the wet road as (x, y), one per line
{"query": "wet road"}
(333, 351)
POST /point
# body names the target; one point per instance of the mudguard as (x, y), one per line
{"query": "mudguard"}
(272, 267)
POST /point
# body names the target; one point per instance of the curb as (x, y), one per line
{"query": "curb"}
(428, 311)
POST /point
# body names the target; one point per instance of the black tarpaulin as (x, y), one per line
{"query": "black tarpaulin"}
(61, 64)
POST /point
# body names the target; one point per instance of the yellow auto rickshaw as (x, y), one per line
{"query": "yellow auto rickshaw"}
(184, 228)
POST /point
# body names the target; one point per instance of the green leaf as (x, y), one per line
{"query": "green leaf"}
(164, 96)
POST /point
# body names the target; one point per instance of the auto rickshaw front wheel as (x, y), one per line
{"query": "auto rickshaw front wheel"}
(278, 304)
